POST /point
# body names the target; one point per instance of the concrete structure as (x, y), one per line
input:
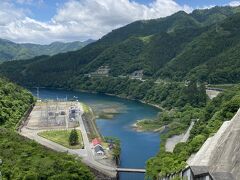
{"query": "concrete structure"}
(137, 75)
(202, 173)
(30, 130)
(218, 158)
(196, 173)
(212, 93)
(102, 71)
(50, 115)
(221, 152)
(131, 170)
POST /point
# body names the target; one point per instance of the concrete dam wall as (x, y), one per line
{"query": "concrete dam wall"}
(220, 154)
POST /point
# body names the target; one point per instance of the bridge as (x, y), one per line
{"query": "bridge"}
(131, 170)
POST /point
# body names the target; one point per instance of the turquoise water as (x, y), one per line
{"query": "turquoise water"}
(136, 147)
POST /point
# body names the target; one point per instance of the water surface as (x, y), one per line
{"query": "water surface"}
(136, 147)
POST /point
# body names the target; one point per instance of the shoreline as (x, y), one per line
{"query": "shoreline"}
(138, 128)
(141, 101)
(92, 126)
(99, 169)
(109, 94)
(134, 126)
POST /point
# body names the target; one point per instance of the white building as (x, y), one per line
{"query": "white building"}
(99, 150)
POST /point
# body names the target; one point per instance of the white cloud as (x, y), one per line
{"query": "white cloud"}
(8, 13)
(234, 3)
(206, 7)
(79, 19)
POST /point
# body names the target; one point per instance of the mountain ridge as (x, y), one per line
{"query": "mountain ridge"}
(10, 50)
(179, 47)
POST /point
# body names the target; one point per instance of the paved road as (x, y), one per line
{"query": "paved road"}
(90, 158)
(173, 141)
(33, 134)
(86, 154)
(187, 134)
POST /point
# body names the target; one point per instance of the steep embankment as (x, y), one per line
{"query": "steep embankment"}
(15, 150)
(14, 102)
(220, 109)
(220, 153)
(174, 140)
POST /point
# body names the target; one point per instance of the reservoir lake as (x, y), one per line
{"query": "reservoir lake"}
(136, 147)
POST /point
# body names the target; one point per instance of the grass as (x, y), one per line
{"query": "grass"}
(86, 108)
(148, 125)
(61, 137)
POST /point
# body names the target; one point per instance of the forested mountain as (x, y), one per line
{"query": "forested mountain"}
(13, 51)
(15, 150)
(202, 45)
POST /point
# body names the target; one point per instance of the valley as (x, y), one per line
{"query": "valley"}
(186, 64)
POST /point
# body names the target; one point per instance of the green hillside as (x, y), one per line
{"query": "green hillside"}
(14, 102)
(13, 51)
(204, 55)
(179, 47)
(25, 159)
(211, 117)
(177, 55)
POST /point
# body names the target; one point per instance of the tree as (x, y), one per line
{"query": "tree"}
(73, 138)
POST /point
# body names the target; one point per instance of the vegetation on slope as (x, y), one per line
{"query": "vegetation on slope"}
(203, 46)
(211, 117)
(178, 47)
(167, 95)
(22, 158)
(210, 57)
(25, 159)
(14, 102)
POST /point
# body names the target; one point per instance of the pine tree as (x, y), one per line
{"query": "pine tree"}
(73, 138)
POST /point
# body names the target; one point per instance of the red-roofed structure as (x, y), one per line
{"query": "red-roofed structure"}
(96, 141)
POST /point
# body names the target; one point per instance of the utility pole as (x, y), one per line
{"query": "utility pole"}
(37, 93)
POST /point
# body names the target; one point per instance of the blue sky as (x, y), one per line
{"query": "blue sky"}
(45, 21)
(202, 3)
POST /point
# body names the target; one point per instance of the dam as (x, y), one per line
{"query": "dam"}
(219, 156)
